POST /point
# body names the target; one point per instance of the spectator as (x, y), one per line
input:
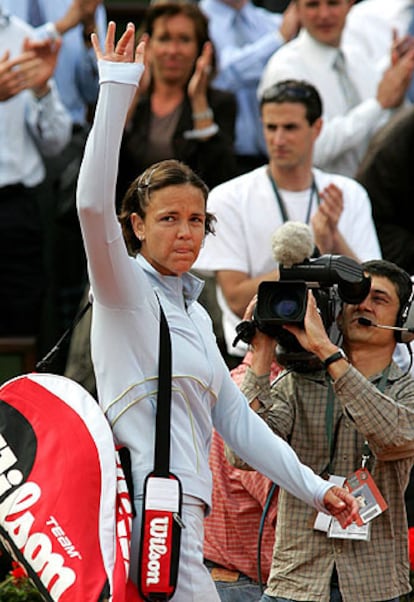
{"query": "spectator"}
(164, 221)
(251, 207)
(386, 173)
(177, 113)
(357, 405)
(358, 100)
(76, 77)
(245, 37)
(33, 124)
(372, 26)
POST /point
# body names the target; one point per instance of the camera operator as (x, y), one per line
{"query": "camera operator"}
(356, 410)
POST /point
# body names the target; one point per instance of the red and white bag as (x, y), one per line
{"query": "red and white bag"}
(65, 512)
(160, 537)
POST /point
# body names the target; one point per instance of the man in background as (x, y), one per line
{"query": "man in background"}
(250, 208)
(358, 98)
(245, 37)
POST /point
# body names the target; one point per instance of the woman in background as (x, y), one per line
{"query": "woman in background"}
(176, 114)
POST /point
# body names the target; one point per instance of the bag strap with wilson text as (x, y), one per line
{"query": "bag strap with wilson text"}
(161, 518)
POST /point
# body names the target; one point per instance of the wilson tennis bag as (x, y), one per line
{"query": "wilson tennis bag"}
(65, 512)
(161, 520)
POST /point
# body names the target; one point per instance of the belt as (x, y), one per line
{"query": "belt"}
(220, 573)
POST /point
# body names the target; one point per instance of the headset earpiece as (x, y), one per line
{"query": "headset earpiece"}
(405, 319)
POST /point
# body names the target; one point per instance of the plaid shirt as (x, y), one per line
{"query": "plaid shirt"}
(296, 409)
(231, 531)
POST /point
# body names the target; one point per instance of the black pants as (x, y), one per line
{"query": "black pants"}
(21, 262)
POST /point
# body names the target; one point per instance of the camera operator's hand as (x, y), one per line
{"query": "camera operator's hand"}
(313, 337)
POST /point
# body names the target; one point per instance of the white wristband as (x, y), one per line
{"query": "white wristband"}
(211, 130)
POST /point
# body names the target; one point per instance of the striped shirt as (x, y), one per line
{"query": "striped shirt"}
(303, 559)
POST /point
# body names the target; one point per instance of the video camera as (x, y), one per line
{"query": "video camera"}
(332, 278)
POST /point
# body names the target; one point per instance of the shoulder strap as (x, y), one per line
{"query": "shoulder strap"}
(163, 417)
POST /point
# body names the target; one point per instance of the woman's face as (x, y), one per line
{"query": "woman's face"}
(172, 231)
(173, 49)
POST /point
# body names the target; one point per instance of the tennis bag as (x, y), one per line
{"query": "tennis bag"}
(65, 512)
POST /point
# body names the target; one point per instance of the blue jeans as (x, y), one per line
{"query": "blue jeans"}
(335, 597)
(242, 590)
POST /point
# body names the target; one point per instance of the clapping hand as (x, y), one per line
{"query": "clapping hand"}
(29, 70)
(325, 220)
(198, 84)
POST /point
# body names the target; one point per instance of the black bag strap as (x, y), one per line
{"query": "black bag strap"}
(43, 365)
(163, 416)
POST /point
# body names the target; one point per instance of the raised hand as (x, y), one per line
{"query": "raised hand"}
(122, 52)
(198, 84)
(325, 220)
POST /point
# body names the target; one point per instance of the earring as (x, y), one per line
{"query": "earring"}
(141, 237)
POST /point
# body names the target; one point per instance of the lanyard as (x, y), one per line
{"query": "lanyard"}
(332, 432)
(282, 205)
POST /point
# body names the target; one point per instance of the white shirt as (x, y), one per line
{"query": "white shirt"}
(29, 128)
(369, 26)
(345, 133)
(247, 216)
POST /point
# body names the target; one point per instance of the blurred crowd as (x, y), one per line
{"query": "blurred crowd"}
(289, 111)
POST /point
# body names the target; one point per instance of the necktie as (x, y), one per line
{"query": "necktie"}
(348, 87)
(410, 32)
(241, 36)
(34, 16)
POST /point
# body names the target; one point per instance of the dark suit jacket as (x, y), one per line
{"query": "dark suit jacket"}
(387, 173)
(213, 159)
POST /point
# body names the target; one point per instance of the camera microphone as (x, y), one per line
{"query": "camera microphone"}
(368, 322)
(292, 244)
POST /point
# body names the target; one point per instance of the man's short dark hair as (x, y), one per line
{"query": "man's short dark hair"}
(399, 277)
(296, 91)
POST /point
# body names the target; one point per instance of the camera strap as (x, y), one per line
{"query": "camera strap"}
(282, 205)
(162, 501)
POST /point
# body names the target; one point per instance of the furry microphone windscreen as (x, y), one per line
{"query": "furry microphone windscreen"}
(292, 243)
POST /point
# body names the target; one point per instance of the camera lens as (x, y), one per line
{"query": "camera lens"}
(286, 309)
(281, 303)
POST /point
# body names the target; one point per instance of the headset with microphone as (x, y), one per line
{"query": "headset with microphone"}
(404, 327)
(400, 331)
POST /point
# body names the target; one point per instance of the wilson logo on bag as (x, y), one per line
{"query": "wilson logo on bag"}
(160, 537)
(65, 513)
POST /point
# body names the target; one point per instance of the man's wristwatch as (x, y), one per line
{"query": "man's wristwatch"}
(338, 355)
